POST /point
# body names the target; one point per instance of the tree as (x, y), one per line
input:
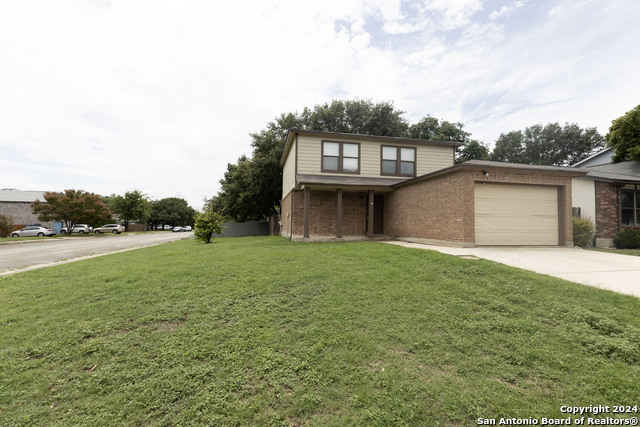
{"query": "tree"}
(6, 225)
(509, 148)
(133, 206)
(624, 136)
(472, 150)
(73, 207)
(436, 130)
(171, 211)
(551, 144)
(207, 223)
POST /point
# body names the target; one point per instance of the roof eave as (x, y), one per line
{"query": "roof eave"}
(471, 166)
(287, 146)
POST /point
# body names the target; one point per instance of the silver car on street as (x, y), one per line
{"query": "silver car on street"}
(33, 231)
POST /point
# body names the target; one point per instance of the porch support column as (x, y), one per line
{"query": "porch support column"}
(307, 203)
(339, 213)
(370, 215)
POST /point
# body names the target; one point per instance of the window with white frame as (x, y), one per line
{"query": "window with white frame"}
(340, 157)
(399, 161)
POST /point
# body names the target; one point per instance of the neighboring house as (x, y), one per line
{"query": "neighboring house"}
(602, 157)
(610, 196)
(350, 186)
(17, 204)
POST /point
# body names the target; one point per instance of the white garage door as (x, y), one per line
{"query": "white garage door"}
(516, 215)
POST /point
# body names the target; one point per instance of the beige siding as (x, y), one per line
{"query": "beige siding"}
(309, 153)
(429, 158)
(289, 172)
(583, 195)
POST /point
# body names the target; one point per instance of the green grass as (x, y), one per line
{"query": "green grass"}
(635, 252)
(261, 331)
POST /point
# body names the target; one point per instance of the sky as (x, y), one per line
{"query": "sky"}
(109, 96)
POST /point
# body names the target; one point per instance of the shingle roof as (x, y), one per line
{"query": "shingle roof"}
(622, 171)
(348, 180)
(482, 164)
(15, 195)
(489, 163)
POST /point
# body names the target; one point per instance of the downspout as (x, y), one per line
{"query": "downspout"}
(293, 199)
(293, 192)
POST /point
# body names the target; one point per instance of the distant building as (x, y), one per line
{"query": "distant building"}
(17, 204)
(609, 195)
(602, 157)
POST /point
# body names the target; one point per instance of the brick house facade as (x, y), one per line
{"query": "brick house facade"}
(17, 205)
(438, 203)
(606, 209)
(610, 196)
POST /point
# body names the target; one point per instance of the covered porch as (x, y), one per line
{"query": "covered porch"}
(336, 208)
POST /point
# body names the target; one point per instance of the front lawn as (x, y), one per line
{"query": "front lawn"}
(635, 252)
(261, 331)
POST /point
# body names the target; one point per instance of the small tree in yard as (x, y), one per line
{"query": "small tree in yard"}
(583, 232)
(6, 225)
(72, 207)
(208, 223)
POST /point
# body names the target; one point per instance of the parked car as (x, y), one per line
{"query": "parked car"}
(110, 228)
(34, 231)
(178, 229)
(78, 228)
(186, 228)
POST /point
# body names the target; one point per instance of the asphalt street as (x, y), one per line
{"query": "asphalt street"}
(46, 251)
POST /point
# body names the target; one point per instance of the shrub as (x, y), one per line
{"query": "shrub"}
(207, 223)
(6, 225)
(583, 231)
(627, 238)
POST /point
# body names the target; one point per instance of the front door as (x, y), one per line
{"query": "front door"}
(378, 214)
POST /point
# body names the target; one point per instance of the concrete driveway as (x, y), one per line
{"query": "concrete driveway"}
(619, 273)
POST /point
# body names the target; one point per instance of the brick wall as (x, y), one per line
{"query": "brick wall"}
(323, 208)
(354, 214)
(606, 210)
(22, 214)
(440, 209)
(285, 215)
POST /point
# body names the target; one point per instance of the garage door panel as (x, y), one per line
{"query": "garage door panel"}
(516, 215)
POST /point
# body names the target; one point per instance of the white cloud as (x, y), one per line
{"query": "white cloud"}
(506, 10)
(160, 96)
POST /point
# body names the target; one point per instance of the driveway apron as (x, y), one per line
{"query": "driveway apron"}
(619, 273)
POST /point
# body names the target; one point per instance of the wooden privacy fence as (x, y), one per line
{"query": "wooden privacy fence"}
(241, 229)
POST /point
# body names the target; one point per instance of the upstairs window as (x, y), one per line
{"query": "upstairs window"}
(340, 157)
(630, 205)
(398, 161)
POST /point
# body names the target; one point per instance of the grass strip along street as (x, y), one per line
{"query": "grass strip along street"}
(262, 331)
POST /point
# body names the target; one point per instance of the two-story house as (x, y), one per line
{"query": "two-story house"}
(350, 186)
